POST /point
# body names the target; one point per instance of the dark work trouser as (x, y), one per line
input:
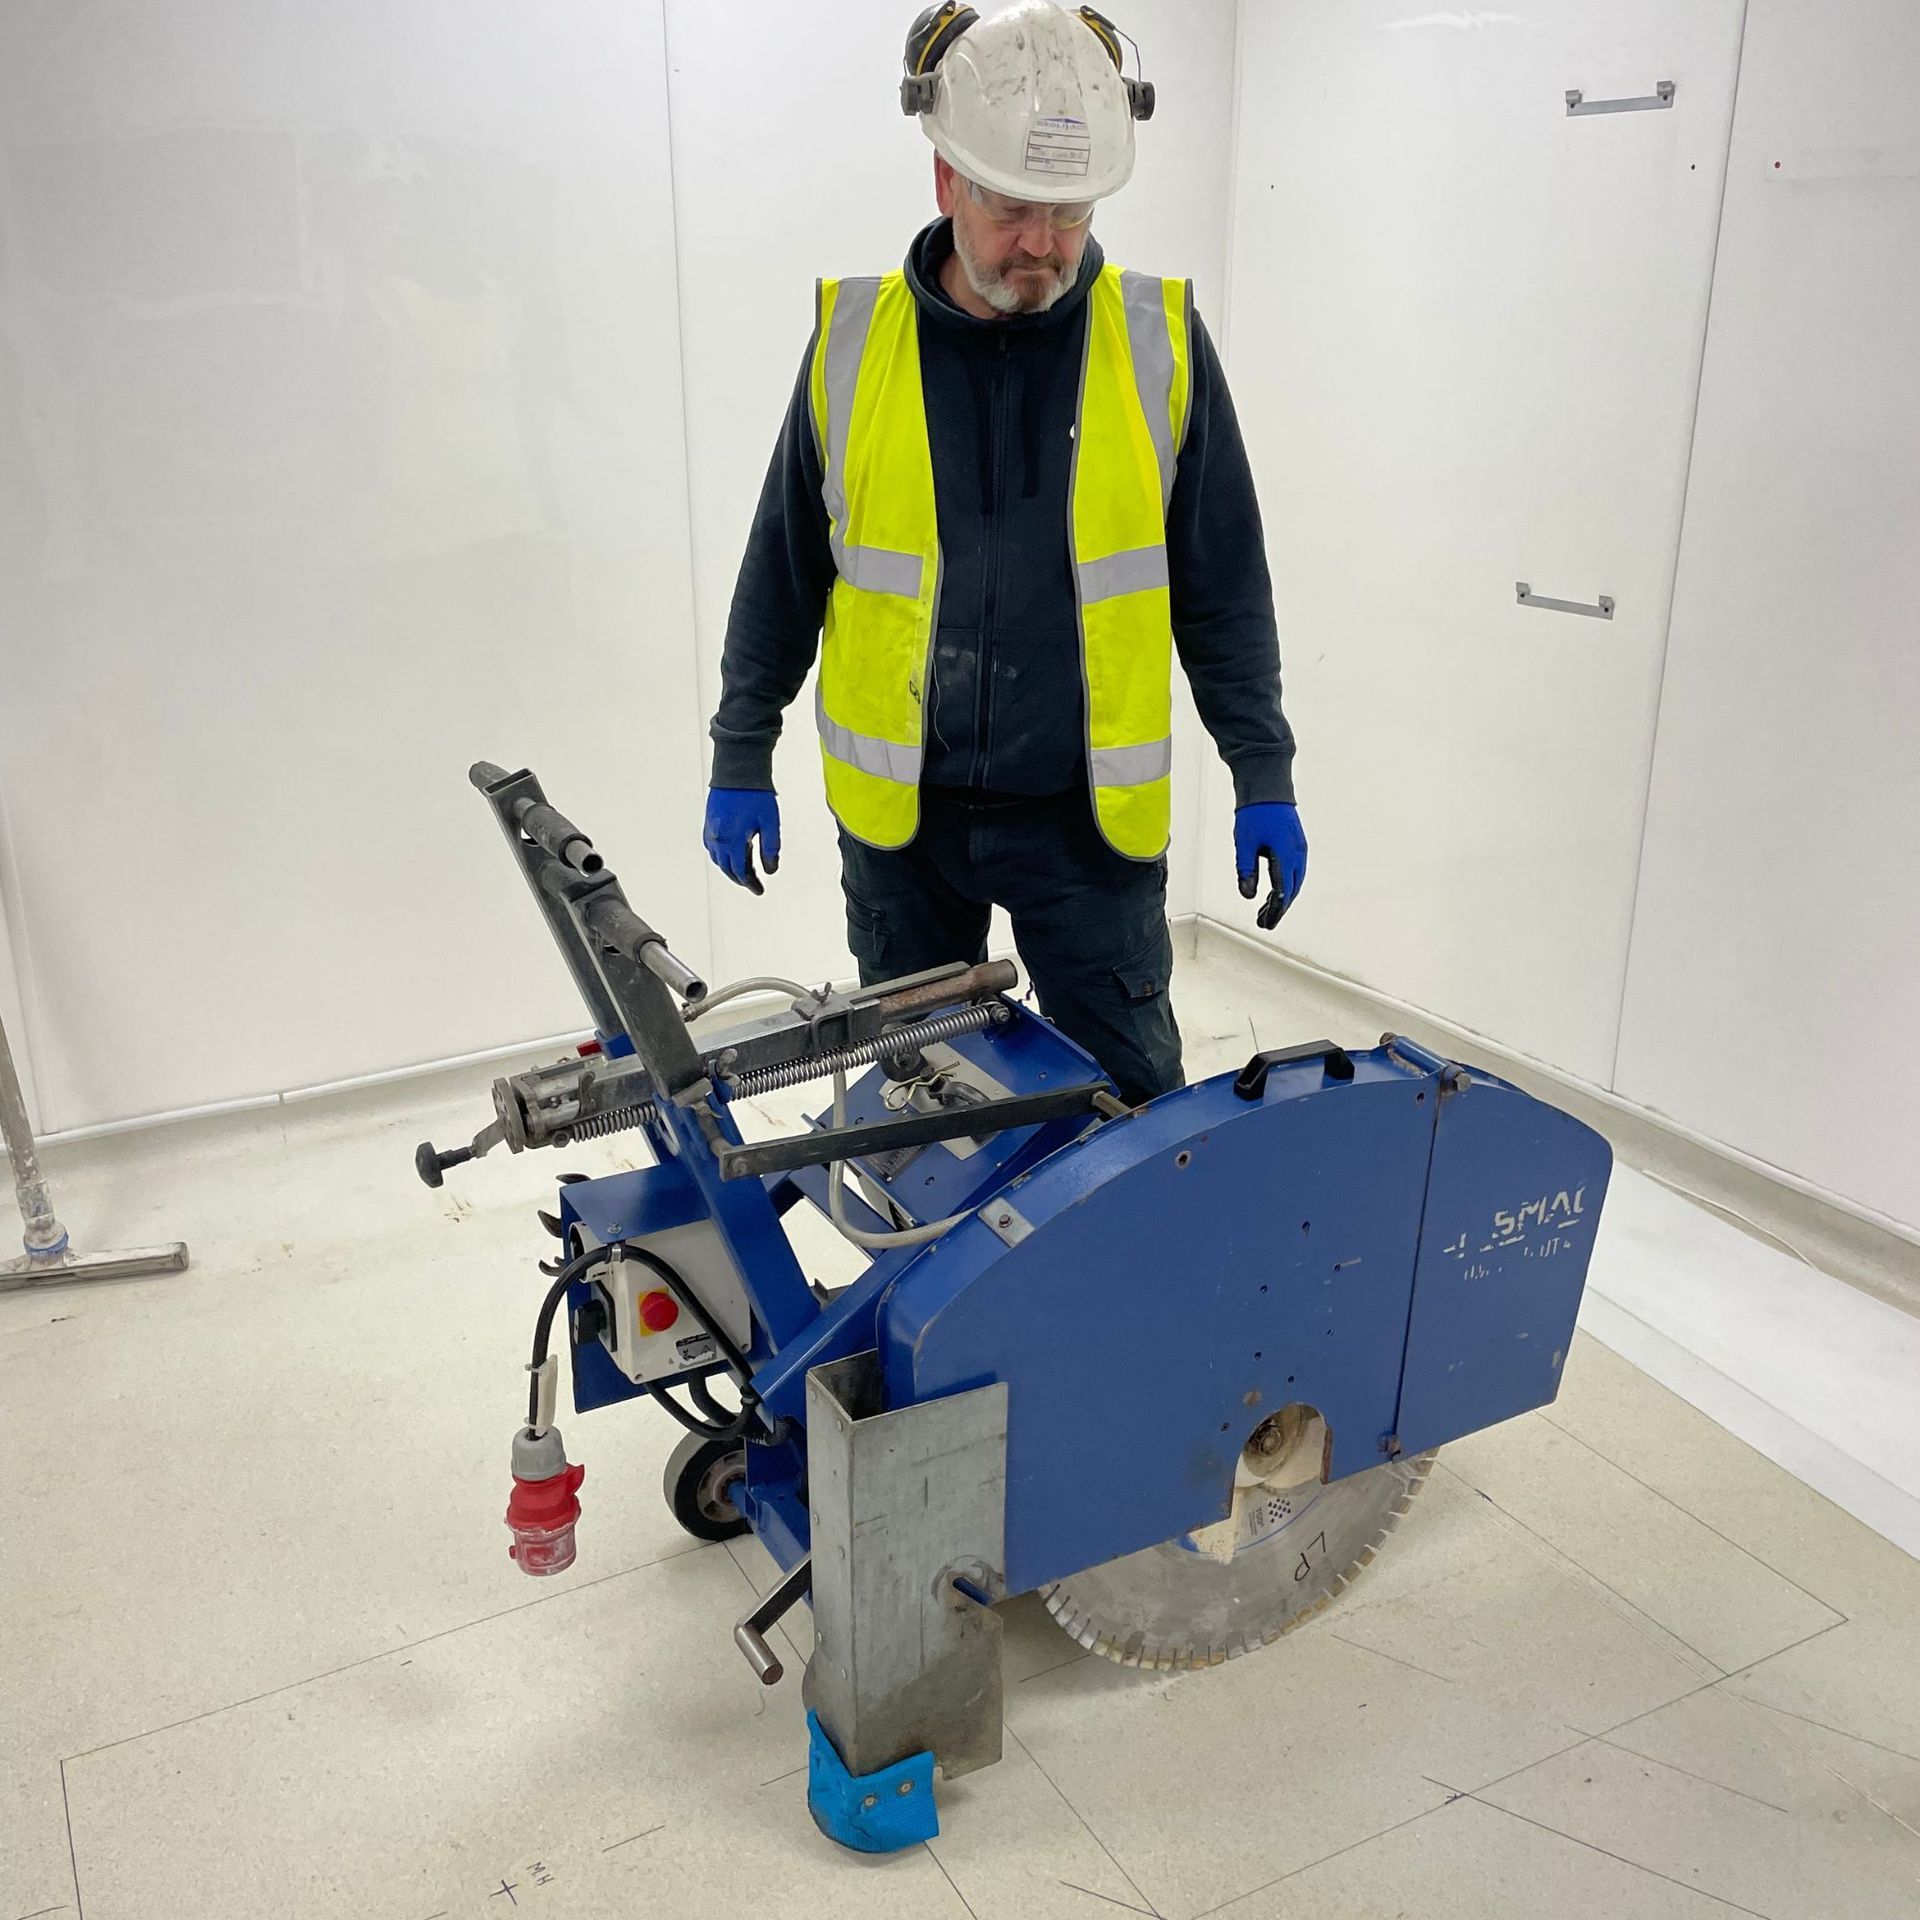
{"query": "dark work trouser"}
(1090, 924)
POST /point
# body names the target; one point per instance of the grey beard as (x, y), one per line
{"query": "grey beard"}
(997, 294)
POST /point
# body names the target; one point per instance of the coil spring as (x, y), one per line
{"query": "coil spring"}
(616, 1120)
(794, 1073)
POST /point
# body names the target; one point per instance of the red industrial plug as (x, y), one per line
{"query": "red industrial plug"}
(542, 1510)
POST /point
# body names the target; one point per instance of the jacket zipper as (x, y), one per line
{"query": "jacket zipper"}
(983, 691)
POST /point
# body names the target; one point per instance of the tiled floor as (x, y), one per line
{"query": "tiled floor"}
(265, 1655)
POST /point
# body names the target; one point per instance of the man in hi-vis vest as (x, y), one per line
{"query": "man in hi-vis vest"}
(1009, 486)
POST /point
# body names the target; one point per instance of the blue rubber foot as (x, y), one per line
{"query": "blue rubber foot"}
(873, 1812)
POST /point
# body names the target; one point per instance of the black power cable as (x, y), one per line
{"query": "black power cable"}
(721, 1425)
(569, 1272)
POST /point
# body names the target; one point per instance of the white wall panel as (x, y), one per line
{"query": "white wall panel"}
(1774, 992)
(792, 160)
(340, 444)
(1465, 332)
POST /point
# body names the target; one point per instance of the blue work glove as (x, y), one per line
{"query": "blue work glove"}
(1270, 827)
(734, 816)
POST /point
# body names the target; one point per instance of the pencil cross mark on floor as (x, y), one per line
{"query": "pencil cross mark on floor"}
(507, 1888)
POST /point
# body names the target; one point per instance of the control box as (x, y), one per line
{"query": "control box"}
(650, 1332)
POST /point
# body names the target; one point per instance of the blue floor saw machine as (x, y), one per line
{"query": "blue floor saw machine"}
(1176, 1369)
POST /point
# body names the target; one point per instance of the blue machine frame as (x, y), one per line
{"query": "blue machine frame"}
(1124, 1296)
(1403, 1250)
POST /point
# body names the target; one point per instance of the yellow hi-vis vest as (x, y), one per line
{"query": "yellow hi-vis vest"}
(870, 417)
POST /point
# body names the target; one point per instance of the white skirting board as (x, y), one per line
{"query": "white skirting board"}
(561, 1043)
(1807, 1370)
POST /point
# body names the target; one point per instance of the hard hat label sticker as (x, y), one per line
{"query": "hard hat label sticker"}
(1058, 144)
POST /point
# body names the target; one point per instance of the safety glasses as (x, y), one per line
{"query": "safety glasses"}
(1010, 215)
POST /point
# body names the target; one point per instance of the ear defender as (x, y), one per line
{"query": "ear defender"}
(1139, 92)
(928, 39)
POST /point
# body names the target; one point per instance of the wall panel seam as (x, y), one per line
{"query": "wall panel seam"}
(1679, 561)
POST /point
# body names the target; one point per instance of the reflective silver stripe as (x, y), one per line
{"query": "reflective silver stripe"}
(1132, 571)
(885, 759)
(1145, 303)
(846, 341)
(878, 569)
(1132, 766)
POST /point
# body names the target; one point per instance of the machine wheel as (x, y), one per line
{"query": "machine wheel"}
(1186, 1603)
(700, 1480)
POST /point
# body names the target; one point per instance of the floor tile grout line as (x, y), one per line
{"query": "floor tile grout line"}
(1807, 1720)
(1592, 1846)
(1293, 1873)
(73, 1852)
(1698, 1519)
(1719, 1672)
(1852, 1786)
(373, 1659)
(1059, 1666)
(1360, 1647)
(631, 1838)
(1707, 1686)
(1687, 1773)
(949, 1879)
(1487, 1786)
(1112, 1859)
(1074, 1887)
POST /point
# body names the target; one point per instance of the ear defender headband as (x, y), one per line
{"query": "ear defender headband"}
(939, 26)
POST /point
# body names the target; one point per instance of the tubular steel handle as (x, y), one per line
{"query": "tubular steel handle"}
(760, 1656)
(547, 827)
(750, 1635)
(623, 930)
(550, 829)
(992, 976)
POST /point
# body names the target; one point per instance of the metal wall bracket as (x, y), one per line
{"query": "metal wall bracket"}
(1601, 609)
(1578, 105)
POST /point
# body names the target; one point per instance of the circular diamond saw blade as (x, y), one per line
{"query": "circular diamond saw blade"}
(1192, 1602)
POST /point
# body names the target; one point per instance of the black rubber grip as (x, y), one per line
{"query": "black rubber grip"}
(432, 1167)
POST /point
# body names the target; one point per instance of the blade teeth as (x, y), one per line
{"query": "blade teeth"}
(1142, 1654)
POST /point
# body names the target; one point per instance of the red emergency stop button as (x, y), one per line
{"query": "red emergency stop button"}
(658, 1311)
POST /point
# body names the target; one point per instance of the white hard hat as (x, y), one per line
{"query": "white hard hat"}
(1030, 103)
